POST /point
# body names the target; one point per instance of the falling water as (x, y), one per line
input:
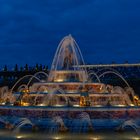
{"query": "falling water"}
(22, 122)
(91, 74)
(35, 76)
(22, 87)
(59, 121)
(115, 73)
(26, 76)
(86, 123)
(52, 94)
(131, 123)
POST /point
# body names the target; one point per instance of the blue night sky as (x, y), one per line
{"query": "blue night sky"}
(106, 30)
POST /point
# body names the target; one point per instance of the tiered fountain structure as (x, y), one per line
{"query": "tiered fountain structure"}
(69, 100)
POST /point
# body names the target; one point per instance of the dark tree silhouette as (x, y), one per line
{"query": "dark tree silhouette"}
(21, 68)
(16, 68)
(40, 67)
(26, 67)
(5, 68)
(36, 67)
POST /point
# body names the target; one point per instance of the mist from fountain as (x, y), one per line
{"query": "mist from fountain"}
(4, 92)
(86, 123)
(123, 93)
(50, 99)
(126, 93)
(2, 121)
(52, 94)
(130, 91)
(59, 121)
(41, 89)
(6, 123)
(5, 96)
(36, 99)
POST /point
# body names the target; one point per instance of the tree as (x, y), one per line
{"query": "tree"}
(46, 67)
(36, 67)
(16, 68)
(21, 68)
(40, 67)
(26, 67)
(5, 68)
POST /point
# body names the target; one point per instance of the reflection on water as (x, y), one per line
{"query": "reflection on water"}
(96, 135)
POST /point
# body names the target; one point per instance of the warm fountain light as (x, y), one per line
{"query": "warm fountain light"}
(57, 138)
(94, 138)
(136, 97)
(132, 105)
(136, 100)
(68, 100)
(135, 138)
(59, 80)
(3, 103)
(120, 105)
(58, 105)
(41, 105)
(98, 105)
(46, 91)
(25, 91)
(19, 137)
(101, 87)
(76, 105)
(24, 104)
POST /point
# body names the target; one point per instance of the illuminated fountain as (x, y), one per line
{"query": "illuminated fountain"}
(67, 76)
(69, 100)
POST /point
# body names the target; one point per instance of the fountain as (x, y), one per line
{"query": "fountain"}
(116, 73)
(59, 120)
(21, 123)
(85, 120)
(26, 76)
(69, 100)
(129, 123)
(35, 76)
(92, 73)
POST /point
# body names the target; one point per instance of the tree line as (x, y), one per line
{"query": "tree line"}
(37, 67)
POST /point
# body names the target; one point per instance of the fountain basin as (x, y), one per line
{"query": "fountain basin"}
(101, 117)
